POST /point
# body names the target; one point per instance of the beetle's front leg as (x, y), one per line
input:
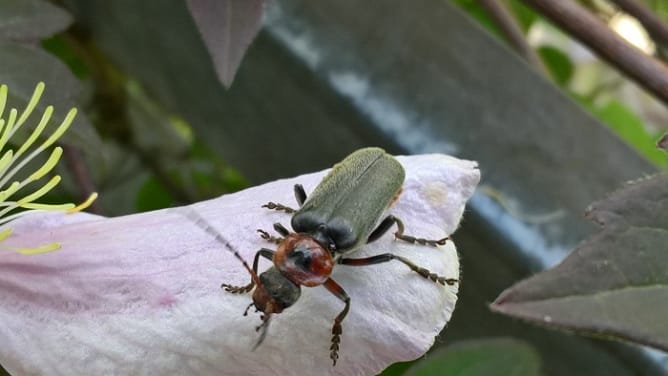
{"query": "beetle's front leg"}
(268, 237)
(274, 239)
(337, 329)
(390, 220)
(385, 257)
(264, 252)
(300, 196)
(280, 207)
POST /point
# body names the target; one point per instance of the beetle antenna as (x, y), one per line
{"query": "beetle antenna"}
(247, 308)
(204, 225)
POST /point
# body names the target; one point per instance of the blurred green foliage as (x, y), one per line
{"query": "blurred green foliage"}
(494, 356)
(558, 64)
(626, 123)
(628, 126)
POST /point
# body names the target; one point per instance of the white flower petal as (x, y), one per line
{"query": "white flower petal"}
(141, 294)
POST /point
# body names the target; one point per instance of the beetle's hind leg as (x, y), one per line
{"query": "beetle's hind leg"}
(300, 196)
(411, 239)
(264, 252)
(390, 220)
(385, 257)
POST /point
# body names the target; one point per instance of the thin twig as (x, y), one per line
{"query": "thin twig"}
(654, 25)
(512, 32)
(582, 25)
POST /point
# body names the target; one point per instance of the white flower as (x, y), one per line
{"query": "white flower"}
(140, 294)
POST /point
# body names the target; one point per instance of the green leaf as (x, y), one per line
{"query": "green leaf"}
(153, 196)
(616, 283)
(523, 15)
(558, 63)
(631, 129)
(31, 20)
(473, 8)
(63, 48)
(499, 356)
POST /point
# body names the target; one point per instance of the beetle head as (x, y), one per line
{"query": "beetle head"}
(275, 293)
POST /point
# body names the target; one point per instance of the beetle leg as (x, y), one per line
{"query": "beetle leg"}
(385, 257)
(281, 229)
(300, 194)
(274, 239)
(279, 207)
(248, 308)
(270, 238)
(264, 252)
(381, 229)
(411, 239)
(387, 223)
(340, 293)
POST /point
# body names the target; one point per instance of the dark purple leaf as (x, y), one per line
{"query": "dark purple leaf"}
(227, 27)
(22, 68)
(31, 20)
(615, 284)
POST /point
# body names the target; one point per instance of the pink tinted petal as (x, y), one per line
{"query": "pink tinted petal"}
(141, 294)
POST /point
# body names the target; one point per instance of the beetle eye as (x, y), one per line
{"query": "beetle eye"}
(341, 234)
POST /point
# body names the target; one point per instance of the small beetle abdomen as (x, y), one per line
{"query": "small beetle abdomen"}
(303, 260)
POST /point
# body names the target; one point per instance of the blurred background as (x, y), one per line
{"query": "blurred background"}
(183, 101)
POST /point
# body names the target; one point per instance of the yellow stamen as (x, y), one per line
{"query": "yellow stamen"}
(9, 191)
(48, 165)
(9, 125)
(85, 204)
(3, 98)
(4, 161)
(69, 118)
(51, 207)
(37, 131)
(36, 95)
(40, 192)
(37, 250)
(59, 132)
(4, 234)
(11, 162)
